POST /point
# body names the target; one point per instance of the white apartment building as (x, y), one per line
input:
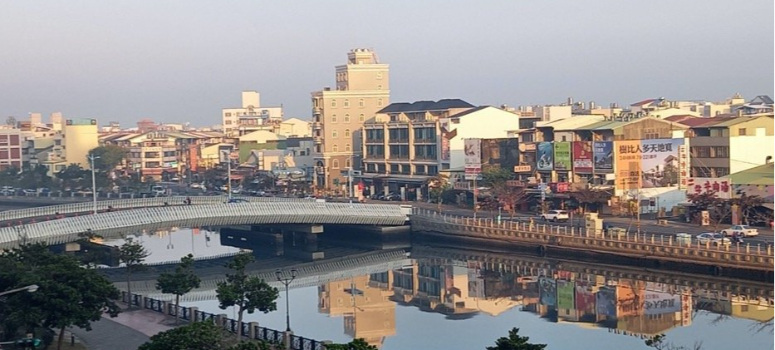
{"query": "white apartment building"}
(251, 116)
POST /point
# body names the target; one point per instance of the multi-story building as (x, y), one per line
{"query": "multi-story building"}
(362, 88)
(402, 147)
(722, 146)
(10, 148)
(250, 117)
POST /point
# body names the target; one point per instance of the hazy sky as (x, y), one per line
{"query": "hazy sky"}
(178, 61)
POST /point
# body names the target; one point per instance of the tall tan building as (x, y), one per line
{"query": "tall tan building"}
(362, 88)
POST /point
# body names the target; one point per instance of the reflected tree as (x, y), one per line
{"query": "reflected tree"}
(515, 342)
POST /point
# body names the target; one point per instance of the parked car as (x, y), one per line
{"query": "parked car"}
(30, 191)
(392, 197)
(743, 230)
(683, 238)
(713, 238)
(238, 200)
(555, 215)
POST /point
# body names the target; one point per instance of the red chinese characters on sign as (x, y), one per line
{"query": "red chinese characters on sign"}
(684, 166)
(720, 186)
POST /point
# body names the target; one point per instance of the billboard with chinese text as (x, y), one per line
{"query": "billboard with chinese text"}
(562, 159)
(582, 157)
(544, 156)
(603, 152)
(657, 303)
(699, 185)
(647, 163)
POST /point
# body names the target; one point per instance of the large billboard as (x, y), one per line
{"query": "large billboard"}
(547, 291)
(584, 299)
(582, 157)
(604, 156)
(565, 293)
(562, 159)
(473, 158)
(544, 156)
(647, 164)
(606, 302)
(657, 303)
(503, 153)
(721, 186)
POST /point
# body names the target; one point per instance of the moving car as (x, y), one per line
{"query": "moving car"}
(743, 230)
(713, 238)
(555, 215)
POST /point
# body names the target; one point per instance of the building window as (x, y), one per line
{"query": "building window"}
(333, 103)
(346, 103)
(334, 134)
(333, 118)
(379, 102)
(347, 148)
(346, 132)
(361, 118)
(346, 118)
(347, 163)
(742, 132)
(228, 114)
(335, 148)
(361, 103)
(335, 164)
(228, 122)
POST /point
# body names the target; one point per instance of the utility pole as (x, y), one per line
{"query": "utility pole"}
(93, 181)
(228, 174)
(476, 194)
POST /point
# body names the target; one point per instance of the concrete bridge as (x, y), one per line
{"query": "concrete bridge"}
(309, 274)
(120, 222)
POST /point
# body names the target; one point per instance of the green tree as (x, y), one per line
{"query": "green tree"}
(198, 336)
(247, 293)
(193, 336)
(67, 294)
(180, 282)
(356, 344)
(437, 185)
(133, 255)
(9, 176)
(588, 197)
(110, 156)
(515, 342)
(71, 175)
(495, 176)
(748, 207)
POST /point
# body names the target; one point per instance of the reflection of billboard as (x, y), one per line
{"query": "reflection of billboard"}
(604, 155)
(544, 156)
(582, 157)
(606, 302)
(647, 163)
(562, 159)
(584, 299)
(657, 303)
(565, 293)
(547, 289)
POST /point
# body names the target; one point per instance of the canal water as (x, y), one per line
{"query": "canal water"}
(452, 297)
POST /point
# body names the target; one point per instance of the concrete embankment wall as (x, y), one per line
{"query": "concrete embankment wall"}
(653, 252)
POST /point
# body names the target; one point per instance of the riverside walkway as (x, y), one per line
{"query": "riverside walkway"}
(547, 238)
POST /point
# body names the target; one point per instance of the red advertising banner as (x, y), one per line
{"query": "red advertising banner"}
(582, 157)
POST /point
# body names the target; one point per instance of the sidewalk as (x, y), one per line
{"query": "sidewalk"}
(126, 332)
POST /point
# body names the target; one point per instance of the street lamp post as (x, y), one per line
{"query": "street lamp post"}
(31, 288)
(285, 280)
(93, 181)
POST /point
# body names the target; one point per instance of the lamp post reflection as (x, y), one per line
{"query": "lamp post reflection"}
(286, 281)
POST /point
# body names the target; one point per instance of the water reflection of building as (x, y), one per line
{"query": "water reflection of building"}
(452, 288)
(365, 304)
(756, 309)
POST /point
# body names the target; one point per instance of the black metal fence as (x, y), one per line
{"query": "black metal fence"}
(268, 335)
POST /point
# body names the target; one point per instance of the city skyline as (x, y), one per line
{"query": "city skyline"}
(126, 61)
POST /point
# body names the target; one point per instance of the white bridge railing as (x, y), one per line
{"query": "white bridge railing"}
(81, 207)
(131, 221)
